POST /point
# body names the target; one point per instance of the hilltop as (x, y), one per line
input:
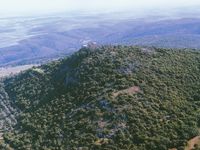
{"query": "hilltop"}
(107, 97)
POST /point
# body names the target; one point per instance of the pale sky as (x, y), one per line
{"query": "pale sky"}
(26, 7)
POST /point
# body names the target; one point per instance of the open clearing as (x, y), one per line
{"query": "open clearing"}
(6, 71)
(191, 143)
(131, 90)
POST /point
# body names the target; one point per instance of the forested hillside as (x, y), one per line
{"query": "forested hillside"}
(108, 97)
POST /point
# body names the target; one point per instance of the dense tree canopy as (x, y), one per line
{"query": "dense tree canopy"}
(109, 97)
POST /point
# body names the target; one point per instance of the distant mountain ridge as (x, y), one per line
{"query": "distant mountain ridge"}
(55, 38)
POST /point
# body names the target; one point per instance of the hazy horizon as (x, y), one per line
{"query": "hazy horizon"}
(12, 8)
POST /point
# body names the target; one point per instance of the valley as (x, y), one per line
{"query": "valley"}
(7, 71)
(26, 40)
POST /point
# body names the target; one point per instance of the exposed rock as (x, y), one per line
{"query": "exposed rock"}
(7, 113)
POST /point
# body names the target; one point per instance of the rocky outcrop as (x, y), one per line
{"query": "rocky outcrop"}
(7, 112)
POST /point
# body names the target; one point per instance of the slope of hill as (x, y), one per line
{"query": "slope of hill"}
(7, 113)
(109, 97)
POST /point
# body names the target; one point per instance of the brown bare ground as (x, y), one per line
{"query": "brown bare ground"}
(191, 143)
(131, 90)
